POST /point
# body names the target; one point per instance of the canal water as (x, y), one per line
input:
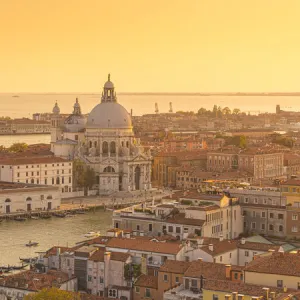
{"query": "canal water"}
(8, 140)
(47, 232)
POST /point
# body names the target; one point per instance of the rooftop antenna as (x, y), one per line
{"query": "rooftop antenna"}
(156, 108)
(171, 107)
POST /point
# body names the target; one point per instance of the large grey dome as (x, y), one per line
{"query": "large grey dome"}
(109, 115)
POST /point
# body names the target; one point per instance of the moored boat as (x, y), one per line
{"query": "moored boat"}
(20, 219)
(31, 244)
(92, 234)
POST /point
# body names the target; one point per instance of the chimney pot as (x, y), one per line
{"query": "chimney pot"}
(228, 271)
(243, 241)
(221, 238)
(211, 247)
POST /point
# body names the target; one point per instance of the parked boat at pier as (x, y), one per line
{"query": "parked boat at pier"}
(31, 244)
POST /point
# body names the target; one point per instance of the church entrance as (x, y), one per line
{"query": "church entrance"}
(137, 177)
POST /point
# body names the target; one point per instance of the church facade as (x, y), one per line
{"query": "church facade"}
(105, 142)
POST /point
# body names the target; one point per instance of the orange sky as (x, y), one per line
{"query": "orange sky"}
(150, 45)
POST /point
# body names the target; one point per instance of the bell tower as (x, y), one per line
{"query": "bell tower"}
(108, 94)
(56, 130)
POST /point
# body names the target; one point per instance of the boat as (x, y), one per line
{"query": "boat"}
(80, 212)
(70, 216)
(59, 215)
(23, 266)
(34, 218)
(20, 219)
(109, 209)
(92, 234)
(28, 260)
(45, 216)
(31, 244)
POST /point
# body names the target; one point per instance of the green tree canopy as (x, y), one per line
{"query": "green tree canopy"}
(18, 147)
(89, 177)
(236, 111)
(78, 173)
(52, 293)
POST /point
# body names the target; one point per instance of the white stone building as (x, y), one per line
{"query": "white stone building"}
(16, 197)
(105, 142)
(45, 170)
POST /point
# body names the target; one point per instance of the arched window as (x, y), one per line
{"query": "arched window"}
(95, 144)
(109, 169)
(32, 181)
(113, 147)
(127, 144)
(57, 180)
(49, 197)
(7, 200)
(280, 228)
(28, 199)
(91, 144)
(105, 148)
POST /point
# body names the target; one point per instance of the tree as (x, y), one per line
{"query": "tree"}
(2, 148)
(226, 111)
(18, 147)
(202, 111)
(89, 177)
(78, 173)
(52, 293)
(236, 111)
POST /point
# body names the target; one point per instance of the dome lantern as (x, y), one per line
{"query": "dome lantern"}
(77, 108)
(56, 109)
(108, 94)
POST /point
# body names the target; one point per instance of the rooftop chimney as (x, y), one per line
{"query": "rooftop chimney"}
(243, 241)
(273, 295)
(228, 271)
(227, 297)
(234, 296)
(200, 259)
(241, 297)
(221, 238)
(211, 247)
(266, 292)
(58, 251)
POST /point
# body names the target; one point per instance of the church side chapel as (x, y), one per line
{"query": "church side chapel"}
(105, 142)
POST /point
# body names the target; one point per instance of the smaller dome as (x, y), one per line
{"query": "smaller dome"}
(56, 109)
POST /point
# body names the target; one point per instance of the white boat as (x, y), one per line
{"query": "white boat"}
(92, 234)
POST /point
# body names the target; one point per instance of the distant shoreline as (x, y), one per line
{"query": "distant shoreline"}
(290, 94)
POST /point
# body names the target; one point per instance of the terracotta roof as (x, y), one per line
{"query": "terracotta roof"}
(291, 182)
(207, 270)
(277, 263)
(258, 246)
(240, 287)
(144, 245)
(147, 281)
(181, 219)
(35, 281)
(98, 256)
(224, 246)
(220, 247)
(175, 266)
(53, 251)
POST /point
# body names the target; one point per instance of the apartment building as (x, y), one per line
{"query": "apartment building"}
(234, 252)
(263, 209)
(262, 163)
(201, 214)
(282, 269)
(45, 170)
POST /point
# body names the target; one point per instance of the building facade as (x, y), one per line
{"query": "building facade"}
(105, 142)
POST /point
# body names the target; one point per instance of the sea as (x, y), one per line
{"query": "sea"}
(25, 104)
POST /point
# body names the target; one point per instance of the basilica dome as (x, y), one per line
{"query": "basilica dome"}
(109, 115)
